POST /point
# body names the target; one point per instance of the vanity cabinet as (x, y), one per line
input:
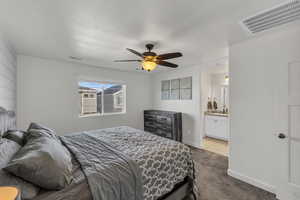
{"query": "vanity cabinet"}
(217, 127)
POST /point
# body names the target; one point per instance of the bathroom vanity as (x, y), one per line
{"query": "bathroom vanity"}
(217, 125)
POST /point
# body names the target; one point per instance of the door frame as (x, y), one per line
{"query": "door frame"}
(286, 189)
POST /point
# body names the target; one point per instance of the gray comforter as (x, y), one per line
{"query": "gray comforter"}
(110, 174)
(161, 162)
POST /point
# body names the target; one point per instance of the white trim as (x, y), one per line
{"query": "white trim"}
(99, 80)
(217, 137)
(100, 115)
(193, 144)
(252, 181)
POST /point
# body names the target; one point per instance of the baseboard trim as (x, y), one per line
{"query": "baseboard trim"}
(196, 145)
(252, 181)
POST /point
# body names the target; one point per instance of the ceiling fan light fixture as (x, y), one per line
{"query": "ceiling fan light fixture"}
(149, 60)
(148, 65)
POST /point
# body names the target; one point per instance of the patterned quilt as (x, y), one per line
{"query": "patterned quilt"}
(164, 162)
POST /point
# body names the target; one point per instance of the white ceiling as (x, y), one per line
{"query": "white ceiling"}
(98, 31)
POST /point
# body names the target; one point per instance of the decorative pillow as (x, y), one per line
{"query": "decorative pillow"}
(7, 149)
(16, 136)
(43, 161)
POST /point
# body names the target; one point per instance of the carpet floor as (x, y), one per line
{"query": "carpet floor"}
(214, 184)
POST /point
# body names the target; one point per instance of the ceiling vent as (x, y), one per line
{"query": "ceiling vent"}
(274, 17)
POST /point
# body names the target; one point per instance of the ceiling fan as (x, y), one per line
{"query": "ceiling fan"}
(150, 59)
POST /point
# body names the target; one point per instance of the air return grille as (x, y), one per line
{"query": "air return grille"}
(268, 19)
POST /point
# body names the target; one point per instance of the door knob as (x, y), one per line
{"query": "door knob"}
(281, 136)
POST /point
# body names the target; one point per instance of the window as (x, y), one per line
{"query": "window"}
(177, 89)
(186, 88)
(175, 83)
(101, 98)
(165, 90)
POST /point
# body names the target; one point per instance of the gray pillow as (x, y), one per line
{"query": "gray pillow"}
(43, 161)
(7, 149)
(16, 136)
(36, 130)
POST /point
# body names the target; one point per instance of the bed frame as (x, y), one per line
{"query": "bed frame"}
(183, 190)
(7, 120)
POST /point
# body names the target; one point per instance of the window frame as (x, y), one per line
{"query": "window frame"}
(180, 89)
(99, 80)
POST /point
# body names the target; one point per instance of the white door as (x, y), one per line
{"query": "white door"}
(289, 186)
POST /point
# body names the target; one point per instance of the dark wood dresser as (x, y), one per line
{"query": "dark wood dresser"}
(164, 123)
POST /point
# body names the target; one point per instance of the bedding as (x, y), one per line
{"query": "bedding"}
(43, 161)
(162, 163)
(7, 149)
(78, 189)
(36, 130)
(16, 136)
(110, 173)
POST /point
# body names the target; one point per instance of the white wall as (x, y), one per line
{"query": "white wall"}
(206, 92)
(8, 72)
(47, 93)
(258, 70)
(191, 109)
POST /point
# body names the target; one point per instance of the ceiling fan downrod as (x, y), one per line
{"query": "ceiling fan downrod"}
(149, 47)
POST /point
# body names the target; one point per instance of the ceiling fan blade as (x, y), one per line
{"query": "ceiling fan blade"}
(135, 52)
(167, 64)
(169, 56)
(127, 61)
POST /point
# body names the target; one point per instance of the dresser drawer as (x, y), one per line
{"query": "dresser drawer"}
(150, 117)
(163, 123)
(163, 120)
(164, 133)
(150, 124)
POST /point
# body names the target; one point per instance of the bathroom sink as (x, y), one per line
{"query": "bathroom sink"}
(216, 113)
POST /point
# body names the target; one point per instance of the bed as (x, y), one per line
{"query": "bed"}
(123, 163)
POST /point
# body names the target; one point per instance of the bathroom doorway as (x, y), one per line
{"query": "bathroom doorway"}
(215, 109)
